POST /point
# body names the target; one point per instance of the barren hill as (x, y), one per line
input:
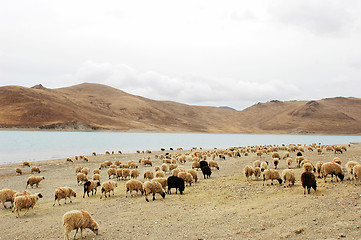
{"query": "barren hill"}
(98, 107)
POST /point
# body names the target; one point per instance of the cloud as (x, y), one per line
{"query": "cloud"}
(190, 89)
(318, 17)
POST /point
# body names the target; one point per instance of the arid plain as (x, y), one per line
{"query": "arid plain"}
(225, 206)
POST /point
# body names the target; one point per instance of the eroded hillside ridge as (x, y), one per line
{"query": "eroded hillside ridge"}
(92, 107)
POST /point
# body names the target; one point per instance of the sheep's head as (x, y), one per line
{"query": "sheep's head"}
(95, 228)
(163, 194)
(40, 195)
(280, 181)
(341, 176)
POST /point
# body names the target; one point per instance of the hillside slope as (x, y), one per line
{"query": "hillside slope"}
(90, 106)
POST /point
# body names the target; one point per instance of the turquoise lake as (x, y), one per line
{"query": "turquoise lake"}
(19, 146)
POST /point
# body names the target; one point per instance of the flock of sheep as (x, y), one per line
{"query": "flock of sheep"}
(171, 164)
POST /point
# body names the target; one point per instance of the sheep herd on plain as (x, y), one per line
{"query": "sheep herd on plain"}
(171, 165)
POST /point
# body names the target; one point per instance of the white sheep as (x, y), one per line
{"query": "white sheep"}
(356, 173)
(194, 174)
(333, 169)
(257, 172)
(276, 162)
(349, 166)
(153, 187)
(134, 173)
(134, 185)
(187, 177)
(159, 174)
(162, 181)
(257, 163)
(248, 172)
(289, 162)
(108, 187)
(213, 164)
(64, 192)
(318, 168)
(76, 219)
(34, 180)
(148, 175)
(81, 177)
(164, 167)
(112, 172)
(288, 175)
(7, 195)
(271, 174)
(264, 166)
(96, 177)
(25, 202)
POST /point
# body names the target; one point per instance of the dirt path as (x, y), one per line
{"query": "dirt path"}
(225, 206)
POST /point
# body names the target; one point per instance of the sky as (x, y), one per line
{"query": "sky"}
(199, 52)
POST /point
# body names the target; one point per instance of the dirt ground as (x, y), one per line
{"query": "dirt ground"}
(225, 206)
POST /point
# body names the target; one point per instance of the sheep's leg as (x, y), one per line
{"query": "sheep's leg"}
(309, 190)
(76, 231)
(153, 196)
(146, 198)
(81, 233)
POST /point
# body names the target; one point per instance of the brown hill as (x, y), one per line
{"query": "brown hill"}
(98, 107)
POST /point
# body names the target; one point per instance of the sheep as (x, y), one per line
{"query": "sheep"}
(308, 167)
(337, 160)
(177, 183)
(271, 174)
(124, 165)
(26, 164)
(134, 173)
(288, 175)
(96, 171)
(187, 177)
(318, 168)
(19, 171)
(213, 164)
(35, 169)
(148, 175)
(308, 180)
(159, 174)
(299, 160)
(356, 173)
(119, 173)
(264, 166)
(85, 171)
(162, 181)
(22, 193)
(333, 169)
(108, 187)
(286, 155)
(194, 174)
(76, 219)
(64, 192)
(195, 164)
(112, 172)
(257, 172)
(276, 162)
(203, 164)
(78, 169)
(102, 165)
(156, 168)
(164, 167)
(289, 162)
(248, 172)
(206, 170)
(34, 180)
(257, 163)
(153, 187)
(125, 173)
(276, 155)
(349, 166)
(90, 186)
(7, 195)
(133, 165)
(81, 177)
(25, 202)
(147, 162)
(176, 171)
(134, 185)
(96, 177)
(172, 166)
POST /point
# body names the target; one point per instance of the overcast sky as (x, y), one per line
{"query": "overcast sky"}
(214, 53)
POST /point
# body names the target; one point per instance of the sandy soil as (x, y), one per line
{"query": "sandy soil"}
(225, 206)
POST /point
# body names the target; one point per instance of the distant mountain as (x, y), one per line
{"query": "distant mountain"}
(228, 108)
(92, 107)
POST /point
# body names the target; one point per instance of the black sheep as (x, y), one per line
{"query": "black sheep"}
(87, 190)
(308, 180)
(203, 163)
(206, 170)
(299, 154)
(177, 183)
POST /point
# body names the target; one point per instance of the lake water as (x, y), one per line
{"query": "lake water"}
(19, 146)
